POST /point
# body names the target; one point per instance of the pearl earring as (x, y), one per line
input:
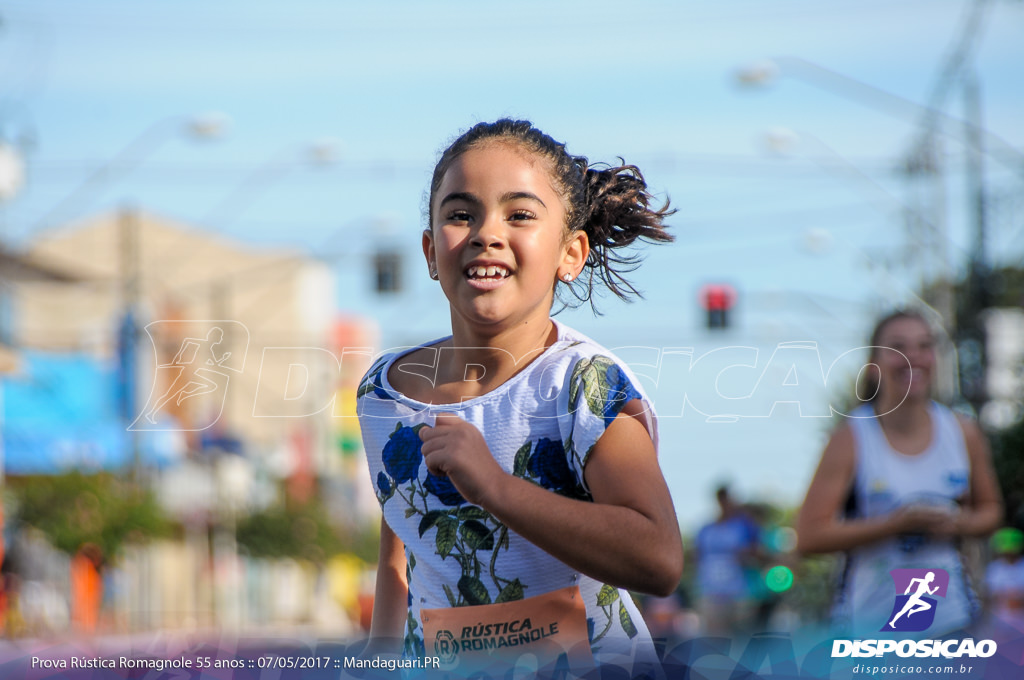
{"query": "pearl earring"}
(433, 272)
(567, 277)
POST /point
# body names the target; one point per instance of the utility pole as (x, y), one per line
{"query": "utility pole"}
(972, 339)
(128, 341)
(966, 325)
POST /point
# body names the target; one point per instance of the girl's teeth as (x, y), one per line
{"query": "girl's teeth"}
(486, 272)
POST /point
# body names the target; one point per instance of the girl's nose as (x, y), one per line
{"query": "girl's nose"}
(491, 234)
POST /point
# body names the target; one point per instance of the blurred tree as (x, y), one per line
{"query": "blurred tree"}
(302, 531)
(1004, 288)
(814, 584)
(1008, 458)
(814, 576)
(73, 509)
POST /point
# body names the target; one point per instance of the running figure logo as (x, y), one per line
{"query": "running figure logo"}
(201, 366)
(914, 610)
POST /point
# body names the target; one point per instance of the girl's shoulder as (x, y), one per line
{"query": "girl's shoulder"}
(593, 372)
(379, 379)
(596, 386)
(577, 355)
(573, 344)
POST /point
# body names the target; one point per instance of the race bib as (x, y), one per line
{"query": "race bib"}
(546, 626)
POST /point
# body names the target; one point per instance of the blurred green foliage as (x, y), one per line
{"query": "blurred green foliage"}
(302, 531)
(814, 576)
(1005, 288)
(1008, 459)
(73, 508)
(814, 583)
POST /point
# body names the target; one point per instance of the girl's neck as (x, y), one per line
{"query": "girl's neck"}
(491, 359)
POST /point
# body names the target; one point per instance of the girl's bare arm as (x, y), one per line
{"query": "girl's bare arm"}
(390, 602)
(627, 537)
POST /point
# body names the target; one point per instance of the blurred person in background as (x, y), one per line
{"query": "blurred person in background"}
(86, 588)
(727, 549)
(899, 484)
(1004, 578)
(670, 618)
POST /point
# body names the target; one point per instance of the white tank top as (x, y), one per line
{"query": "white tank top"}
(884, 481)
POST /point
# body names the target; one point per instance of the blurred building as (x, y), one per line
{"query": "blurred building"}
(16, 269)
(1004, 333)
(221, 373)
(229, 344)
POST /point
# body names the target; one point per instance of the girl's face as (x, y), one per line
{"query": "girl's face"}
(498, 238)
(908, 369)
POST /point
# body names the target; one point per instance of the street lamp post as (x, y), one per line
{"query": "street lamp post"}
(206, 126)
(767, 71)
(11, 179)
(319, 153)
(781, 140)
(221, 541)
(925, 158)
(200, 127)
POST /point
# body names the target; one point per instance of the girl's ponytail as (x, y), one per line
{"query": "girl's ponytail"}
(615, 213)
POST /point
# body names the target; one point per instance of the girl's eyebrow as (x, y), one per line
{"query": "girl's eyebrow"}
(505, 198)
(460, 196)
(516, 195)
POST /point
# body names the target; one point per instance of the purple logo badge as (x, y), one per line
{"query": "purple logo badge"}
(914, 609)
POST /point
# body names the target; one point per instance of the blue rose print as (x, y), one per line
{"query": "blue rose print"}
(402, 454)
(620, 391)
(443, 488)
(384, 483)
(549, 466)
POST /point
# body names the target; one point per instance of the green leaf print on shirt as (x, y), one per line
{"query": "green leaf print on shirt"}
(606, 387)
(522, 460)
(473, 590)
(607, 596)
(606, 599)
(592, 375)
(476, 535)
(447, 535)
(626, 620)
(513, 591)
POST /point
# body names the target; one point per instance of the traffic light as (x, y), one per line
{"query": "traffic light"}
(779, 578)
(387, 265)
(718, 300)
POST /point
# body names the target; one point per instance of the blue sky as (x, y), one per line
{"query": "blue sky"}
(813, 239)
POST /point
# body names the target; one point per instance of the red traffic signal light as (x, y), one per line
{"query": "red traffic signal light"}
(717, 299)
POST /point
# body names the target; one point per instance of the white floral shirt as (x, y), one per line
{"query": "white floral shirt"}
(540, 425)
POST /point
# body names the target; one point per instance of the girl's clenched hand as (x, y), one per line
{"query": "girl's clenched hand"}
(456, 449)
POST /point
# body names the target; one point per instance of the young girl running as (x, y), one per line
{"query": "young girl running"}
(515, 460)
